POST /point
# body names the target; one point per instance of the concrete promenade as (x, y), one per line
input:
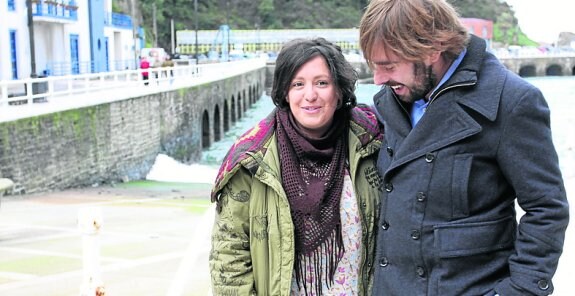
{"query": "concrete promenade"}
(154, 241)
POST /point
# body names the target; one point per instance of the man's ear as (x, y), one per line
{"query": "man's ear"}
(433, 57)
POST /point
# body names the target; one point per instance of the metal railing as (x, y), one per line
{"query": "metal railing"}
(116, 85)
(55, 9)
(119, 20)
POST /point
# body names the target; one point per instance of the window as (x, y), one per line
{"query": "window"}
(74, 53)
(13, 59)
(11, 5)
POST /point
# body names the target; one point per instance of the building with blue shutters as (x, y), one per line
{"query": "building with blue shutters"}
(67, 37)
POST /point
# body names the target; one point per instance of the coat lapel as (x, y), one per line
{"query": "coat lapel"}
(447, 119)
(394, 115)
(444, 123)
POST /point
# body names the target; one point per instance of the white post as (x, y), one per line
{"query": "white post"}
(89, 224)
(5, 185)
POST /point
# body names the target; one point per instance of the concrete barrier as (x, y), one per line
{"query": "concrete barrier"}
(5, 185)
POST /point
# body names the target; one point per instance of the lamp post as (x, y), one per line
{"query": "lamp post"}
(31, 36)
(228, 30)
(134, 37)
(196, 26)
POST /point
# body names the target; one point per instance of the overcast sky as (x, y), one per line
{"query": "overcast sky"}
(542, 21)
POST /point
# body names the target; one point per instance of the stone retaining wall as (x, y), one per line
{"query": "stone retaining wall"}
(119, 141)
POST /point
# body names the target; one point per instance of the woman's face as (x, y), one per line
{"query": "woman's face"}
(312, 97)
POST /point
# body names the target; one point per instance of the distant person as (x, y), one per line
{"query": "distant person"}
(169, 64)
(465, 139)
(297, 195)
(145, 64)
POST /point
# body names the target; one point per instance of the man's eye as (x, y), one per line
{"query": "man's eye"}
(384, 67)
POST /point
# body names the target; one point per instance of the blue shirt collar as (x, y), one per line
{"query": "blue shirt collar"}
(451, 70)
(419, 106)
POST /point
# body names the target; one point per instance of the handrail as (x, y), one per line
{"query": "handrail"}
(52, 93)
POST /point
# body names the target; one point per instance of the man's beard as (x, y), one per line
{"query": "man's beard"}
(423, 83)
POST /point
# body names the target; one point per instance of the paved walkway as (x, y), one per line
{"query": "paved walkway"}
(153, 241)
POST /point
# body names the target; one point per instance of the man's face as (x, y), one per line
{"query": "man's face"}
(410, 81)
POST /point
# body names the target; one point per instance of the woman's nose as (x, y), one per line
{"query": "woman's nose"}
(310, 93)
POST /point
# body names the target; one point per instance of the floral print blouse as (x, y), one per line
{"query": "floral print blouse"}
(345, 280)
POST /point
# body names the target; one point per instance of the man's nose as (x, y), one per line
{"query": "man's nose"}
(379, 78)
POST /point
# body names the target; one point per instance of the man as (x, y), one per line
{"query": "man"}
(464, 139)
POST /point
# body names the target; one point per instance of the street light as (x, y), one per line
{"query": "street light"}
(134, 37)
(196, 26)
(31, 36)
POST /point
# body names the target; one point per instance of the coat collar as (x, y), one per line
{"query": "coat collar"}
(483, 99)
(449, 117)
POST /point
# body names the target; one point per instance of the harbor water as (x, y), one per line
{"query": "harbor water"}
(559, 92)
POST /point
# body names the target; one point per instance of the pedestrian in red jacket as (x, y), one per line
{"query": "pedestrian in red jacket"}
(144, 64)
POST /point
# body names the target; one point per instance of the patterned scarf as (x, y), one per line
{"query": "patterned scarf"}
(312, 171)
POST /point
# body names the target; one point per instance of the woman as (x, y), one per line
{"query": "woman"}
(297, 195)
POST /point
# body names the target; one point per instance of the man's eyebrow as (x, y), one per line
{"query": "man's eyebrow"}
(384, 62)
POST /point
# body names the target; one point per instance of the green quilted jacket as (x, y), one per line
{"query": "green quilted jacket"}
(253, 234)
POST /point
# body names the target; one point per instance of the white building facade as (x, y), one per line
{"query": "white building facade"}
(69, 37)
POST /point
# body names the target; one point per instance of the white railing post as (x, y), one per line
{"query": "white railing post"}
(90, 224)
(29, 91)
(4, 94)
(5, 185)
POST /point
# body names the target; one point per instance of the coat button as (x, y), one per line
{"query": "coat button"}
(420, 196)
(420, 271)
(429, 157)
(388, 187)
(389, 151)
(383, 262)
(385, 225)
(543, 284)
(415, 234)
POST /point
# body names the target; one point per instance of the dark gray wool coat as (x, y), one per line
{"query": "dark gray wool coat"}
(448, 224)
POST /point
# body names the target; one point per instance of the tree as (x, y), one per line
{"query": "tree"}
(291, 14)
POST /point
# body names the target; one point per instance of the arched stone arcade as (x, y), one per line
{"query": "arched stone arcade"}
(240, 106)
(233, 109)
(226, 112)
(205, 129)
(540, 66)
(227, 119)
(217, 124)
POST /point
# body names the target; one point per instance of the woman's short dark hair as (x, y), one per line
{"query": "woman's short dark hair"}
(297, 52)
